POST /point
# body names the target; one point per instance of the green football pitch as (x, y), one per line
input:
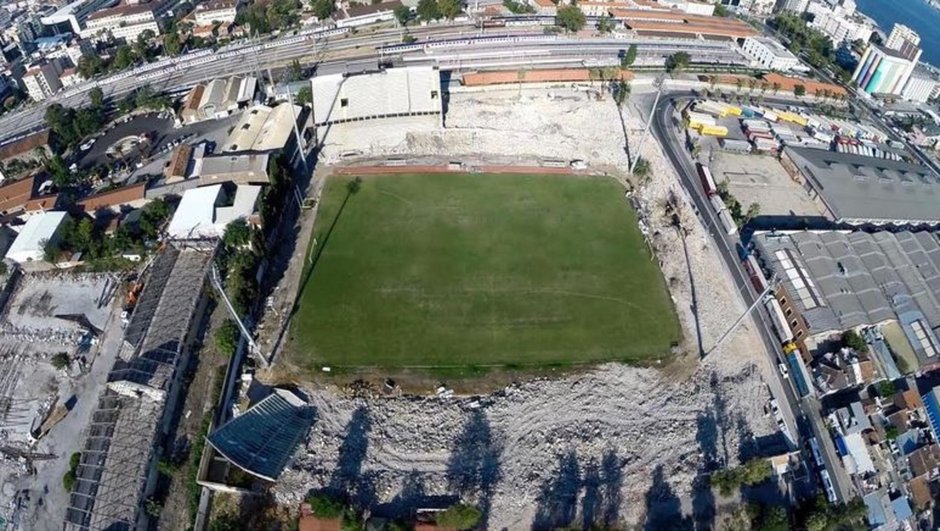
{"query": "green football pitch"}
(478, 270)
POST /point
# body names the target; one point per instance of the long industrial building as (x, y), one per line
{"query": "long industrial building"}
(116, 472)
(832, 281)
(860, 190)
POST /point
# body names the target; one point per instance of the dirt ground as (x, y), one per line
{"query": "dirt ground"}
(614, 445)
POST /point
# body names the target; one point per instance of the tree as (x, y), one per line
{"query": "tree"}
(304, 96)
(886, 389)
(891, 432)
(570, 18)
(629, 57)
(351, 521)
(738, 83)
(325, 505)
(172, 45)
(852, 340)
(459, 516)
(753, 210)
(642, 168)
(226, 337)
(61, 360)
(605, 24)
(89, 66)
(123, 58)
(677, 62)
(428, 10)
(296, 71)
(799, 91)
(323, 9)
(402, 14)
(621, 90)
(776, 87)
(720, 11)
(450, 9)
(97, 98)
(237, 234)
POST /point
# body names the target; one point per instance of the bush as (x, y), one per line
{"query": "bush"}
(753, 472)
(68, 480)
(852, 340)
(61, 361)
(352, 521)
(325, 505)
(459, 516)
(886, 389)
(226, 337)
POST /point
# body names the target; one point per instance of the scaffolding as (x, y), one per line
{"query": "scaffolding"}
(114, 472)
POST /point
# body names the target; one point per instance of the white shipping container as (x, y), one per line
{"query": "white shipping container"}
(727, 223)
(717, 203)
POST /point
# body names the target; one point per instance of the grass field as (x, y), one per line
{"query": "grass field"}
(464, 270)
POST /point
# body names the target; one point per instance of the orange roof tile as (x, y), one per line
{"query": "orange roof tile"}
(113, 198)
(15, 196)
(24, 145)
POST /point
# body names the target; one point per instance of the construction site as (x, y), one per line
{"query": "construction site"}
(53, 330)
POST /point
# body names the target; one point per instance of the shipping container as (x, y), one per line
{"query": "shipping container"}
(770, 116)
(717, 203)
(729, 144)
(779, 320)
(708, 182)
(714, 130)
(727, 223)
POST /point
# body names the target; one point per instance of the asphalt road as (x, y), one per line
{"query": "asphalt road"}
(803, 415)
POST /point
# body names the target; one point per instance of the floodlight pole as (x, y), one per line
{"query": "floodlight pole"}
(649, 122)
(760, 298)
(253, 347)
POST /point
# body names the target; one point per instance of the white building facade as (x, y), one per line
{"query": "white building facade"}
(770, 54)
(42, 81)
(124, 22)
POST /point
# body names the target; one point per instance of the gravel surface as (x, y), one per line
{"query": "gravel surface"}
(615, 444)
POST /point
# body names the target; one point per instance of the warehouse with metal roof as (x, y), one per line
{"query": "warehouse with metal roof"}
(860, 190)
(842, 280)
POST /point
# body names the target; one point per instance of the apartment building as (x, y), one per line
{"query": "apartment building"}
(122, 22)
(221, 11)
(42, 81)
(770, 54)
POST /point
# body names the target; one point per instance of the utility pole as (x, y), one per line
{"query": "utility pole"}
(253, 347)
(760, 298)
(660, 81)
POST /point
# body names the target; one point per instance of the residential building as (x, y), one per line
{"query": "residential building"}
(838, 23)
(794, 5)
(42, 80)
(114, 201)
(883, 71)
(215, 12)
(903, 39)
(770, 54)
(921, 86)
(69, 77)
(122, 22)
(39, 231)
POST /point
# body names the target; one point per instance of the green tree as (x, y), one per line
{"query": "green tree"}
(352, 520)
(753, 210)
(325, 505)
(621, 91)
(570, 18)
(450, 9)
(629, 57)
(428, 10)
(677, 62)
(323, 9)
(89, 66)
(97, 98)
(459, 516)
(642, 168)
(799, 90)
(226, 337)
(304, 96)
(721, 11)
(852, 340)
(172, 45)
(402, 14)
(123, 58)
(886, 389)
(237, 234)
(296, 71)
(605, 24)
(61, 360)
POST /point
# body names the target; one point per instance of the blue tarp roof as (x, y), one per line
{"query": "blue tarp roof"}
(907, 442)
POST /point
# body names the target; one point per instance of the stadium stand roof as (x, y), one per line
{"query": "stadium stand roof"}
(262, 440)
(864, 190)
(840, 280)
(394, 92)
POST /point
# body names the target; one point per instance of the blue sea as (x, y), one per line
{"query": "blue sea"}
(916, 14)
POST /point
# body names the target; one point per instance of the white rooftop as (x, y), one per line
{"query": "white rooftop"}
(263, 128)
(204, 212)
(392, 92)
(37, 230)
